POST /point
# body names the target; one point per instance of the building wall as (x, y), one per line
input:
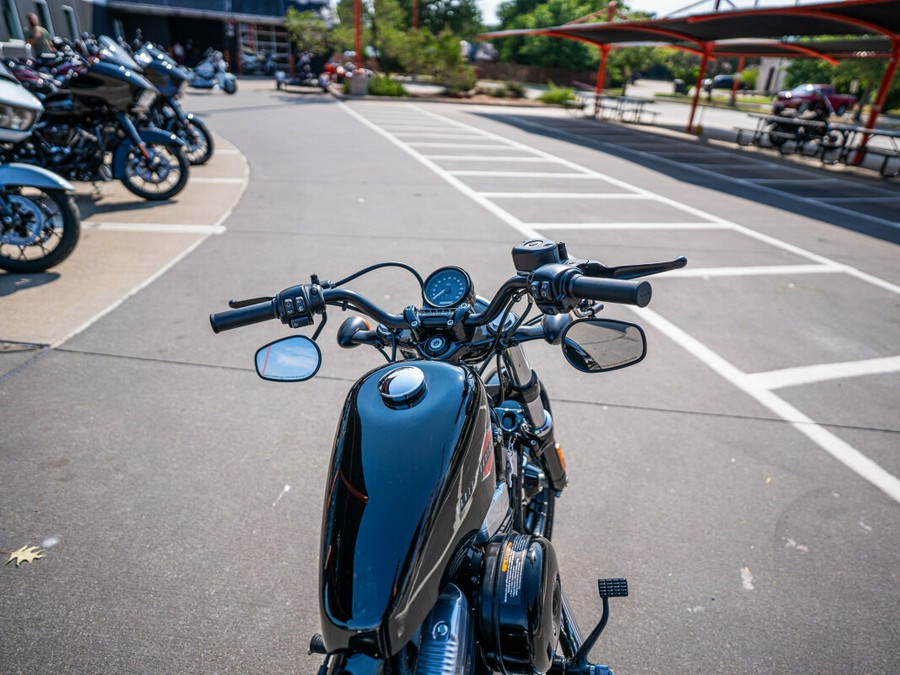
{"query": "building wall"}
(235, 27)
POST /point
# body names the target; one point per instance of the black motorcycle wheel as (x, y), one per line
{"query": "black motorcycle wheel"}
(230, 86)
(162, 176)
(198, 141)
(43, 231)
(771, 132)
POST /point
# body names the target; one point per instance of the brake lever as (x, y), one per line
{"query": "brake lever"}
(646, 269)
(237, 304)
(595, 268)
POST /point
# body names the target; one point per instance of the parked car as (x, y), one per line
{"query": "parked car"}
(721, 82)
(802, 96)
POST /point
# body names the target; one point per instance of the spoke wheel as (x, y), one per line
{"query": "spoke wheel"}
(39, 231)
(198, 141)
(162, 176)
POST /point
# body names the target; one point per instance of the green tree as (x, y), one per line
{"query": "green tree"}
(308, 31)
(540, 50)
(460, 17)
(625, 62)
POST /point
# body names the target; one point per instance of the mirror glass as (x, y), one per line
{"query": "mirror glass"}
(292, 359)
(598, 345)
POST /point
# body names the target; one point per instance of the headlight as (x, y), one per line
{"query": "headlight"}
(18, 119)
(145, 99)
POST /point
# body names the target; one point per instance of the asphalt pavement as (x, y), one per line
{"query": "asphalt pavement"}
(743, 477)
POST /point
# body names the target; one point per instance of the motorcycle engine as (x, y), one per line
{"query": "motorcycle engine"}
(519, 604)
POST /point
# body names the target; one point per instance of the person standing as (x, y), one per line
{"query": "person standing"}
(39, 37)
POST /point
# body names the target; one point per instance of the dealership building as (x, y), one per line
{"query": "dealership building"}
(240, 29)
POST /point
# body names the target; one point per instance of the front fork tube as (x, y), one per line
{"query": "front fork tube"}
(524, 381)
(132, 133)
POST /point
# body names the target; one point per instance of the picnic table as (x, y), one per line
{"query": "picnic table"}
(832, 142)
(622, 108)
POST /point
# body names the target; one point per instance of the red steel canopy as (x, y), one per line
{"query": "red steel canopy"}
(874, 27)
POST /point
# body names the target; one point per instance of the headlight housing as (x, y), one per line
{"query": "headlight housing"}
(16, 119)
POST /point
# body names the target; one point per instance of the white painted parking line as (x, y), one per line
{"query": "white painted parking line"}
(521, 174)
(216, 181)
(162, 228)
(754, 271)
(887, 198)
(485, 158)
(436, 135)
(466, 146)
(791, 377)
(563, 195)
(715, 174)
(628, 226)
(834, 446)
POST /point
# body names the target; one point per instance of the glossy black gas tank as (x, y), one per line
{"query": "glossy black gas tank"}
(408, 481)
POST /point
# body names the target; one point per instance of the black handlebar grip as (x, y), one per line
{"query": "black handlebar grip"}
(611, 290)
(236, 318)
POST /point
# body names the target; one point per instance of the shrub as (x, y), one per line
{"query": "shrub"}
(385, 86)
(515, 90)
(557, 95)
(458, 80)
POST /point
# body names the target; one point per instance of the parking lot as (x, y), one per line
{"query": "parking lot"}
(743, 477)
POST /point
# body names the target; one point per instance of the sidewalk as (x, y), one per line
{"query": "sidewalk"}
(125, 243)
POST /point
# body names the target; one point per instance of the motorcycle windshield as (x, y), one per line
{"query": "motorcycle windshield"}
(406, 486)
(111, 51)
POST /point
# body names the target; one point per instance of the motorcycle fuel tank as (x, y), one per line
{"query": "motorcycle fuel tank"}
(109, 84)
(411, 475)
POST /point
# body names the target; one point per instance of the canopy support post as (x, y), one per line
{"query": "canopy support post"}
(880, 97)
(707, 49)
(737, 80)
(601, 78)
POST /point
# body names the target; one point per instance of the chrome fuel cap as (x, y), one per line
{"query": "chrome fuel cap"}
(401, 385)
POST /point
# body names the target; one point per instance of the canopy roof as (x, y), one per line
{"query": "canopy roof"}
(873, 27)
(753, 32)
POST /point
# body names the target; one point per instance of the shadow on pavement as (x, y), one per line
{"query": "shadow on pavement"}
(766, 178)
(13, 282)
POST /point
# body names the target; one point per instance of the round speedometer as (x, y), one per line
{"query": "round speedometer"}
(447, 287)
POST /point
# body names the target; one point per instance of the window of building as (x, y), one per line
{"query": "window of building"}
(43, 13)
(72, 21)
(12, 20)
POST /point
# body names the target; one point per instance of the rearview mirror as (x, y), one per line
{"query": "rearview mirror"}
(599, 345)
(291, 359)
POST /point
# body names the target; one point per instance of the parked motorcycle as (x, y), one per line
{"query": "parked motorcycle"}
(439, 504)
(213, 72)
(39, 223)
(87, 132)
(166, 112)
(810, 130)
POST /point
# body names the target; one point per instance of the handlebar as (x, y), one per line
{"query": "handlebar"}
(555, 287)
(612, 290)
(245, 316)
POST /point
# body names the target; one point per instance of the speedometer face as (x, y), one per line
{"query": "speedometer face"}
(447, 287)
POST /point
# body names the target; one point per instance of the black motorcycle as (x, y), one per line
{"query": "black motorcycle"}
(435, 553)
(87, 132)
(166, 113)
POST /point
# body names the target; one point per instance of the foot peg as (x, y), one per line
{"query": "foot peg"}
(317, 645)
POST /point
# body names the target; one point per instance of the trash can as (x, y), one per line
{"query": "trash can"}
(359, 84)
(679, 87)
